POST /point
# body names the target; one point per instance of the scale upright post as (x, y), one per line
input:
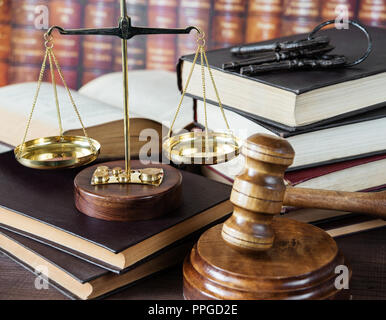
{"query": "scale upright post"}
(138, 191)
(126, 118)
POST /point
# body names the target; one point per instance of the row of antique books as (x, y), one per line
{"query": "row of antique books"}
(226, 22)
(334, 119)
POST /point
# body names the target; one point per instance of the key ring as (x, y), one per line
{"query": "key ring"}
(355, 24)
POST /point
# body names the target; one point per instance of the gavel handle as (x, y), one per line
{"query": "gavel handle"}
(362, 202)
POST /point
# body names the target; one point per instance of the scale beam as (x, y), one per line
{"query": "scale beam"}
(124, 31)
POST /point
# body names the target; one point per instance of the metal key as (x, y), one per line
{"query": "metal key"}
(326, 62)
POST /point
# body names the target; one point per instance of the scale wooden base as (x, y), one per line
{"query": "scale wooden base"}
(128, 202)
(300, 265)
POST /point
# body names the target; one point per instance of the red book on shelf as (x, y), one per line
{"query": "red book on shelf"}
(373, 12)
(332, 8)
(161, 49)
(98, 50)
(68, 15)
(228, 23)
(264, 20)
(24, 12)
(27, 44)
(136, 49)
(193, 13)
(300, 16)
(5, 40)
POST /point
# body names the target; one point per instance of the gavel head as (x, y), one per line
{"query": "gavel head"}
(258, 193)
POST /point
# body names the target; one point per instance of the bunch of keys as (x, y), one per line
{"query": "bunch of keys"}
(310, 53)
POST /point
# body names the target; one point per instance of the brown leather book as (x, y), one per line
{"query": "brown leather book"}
(193, 13)
(27, 43)
(98, 51)
(77, 278)
(228, 23)
(27, 51)
(372, 12)
(161, 49)
(136, 47)
(41, 203)
(5, 40)
(300, 16)
(23, 12)
(264, 19)
(68, 15)
(331, 8)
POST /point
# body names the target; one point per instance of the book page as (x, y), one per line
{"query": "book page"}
(153, 94)
(16, 104)
(4, 148)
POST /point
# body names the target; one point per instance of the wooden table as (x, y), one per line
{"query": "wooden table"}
(366, 252)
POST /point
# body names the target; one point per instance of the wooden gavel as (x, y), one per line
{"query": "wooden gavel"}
(259, 193)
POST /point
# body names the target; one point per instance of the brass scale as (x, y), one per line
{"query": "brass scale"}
(72, 151)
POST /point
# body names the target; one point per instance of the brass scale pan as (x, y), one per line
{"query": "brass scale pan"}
(57, 152)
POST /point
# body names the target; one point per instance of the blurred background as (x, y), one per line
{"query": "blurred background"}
(226, 22)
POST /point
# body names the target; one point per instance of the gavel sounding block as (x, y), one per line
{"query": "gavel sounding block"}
(300, 265)
(128, 202)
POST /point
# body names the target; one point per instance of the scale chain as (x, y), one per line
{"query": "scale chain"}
(49, 53)
(41, 74)
(72, 100)
(204, 96)
(55, 91)
(204, 61)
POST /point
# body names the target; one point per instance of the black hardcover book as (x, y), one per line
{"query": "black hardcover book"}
(293, 100)
(77, 278)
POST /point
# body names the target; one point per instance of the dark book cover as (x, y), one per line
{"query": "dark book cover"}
(83, 271)
(47, 196)
(350, 42)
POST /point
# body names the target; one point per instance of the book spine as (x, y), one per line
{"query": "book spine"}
(5, 40)
(373, 12)
(27, 43)
(300, 16)
(68, 15)
(98, 50)
(136, 47)
(228, 23)
(161, 49)
(264, 20)
(193, 13)
(331, 8)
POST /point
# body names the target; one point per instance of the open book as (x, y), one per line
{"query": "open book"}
(153, 100)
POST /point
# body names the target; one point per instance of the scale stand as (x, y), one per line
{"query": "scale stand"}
(125, 190)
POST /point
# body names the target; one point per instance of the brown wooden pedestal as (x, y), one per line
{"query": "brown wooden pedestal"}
(300, 265)
(128, 202)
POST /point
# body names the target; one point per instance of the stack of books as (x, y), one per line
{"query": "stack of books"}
(334, 119)
(86, 257)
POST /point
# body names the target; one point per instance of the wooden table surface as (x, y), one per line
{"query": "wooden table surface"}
(366, 253)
